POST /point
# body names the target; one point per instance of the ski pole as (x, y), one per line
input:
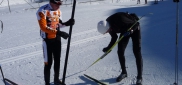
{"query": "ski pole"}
(1, 26)
(108, 51)
(176, 53)
(12, 83)
(68, 45)
(9, 7)
(2, 75)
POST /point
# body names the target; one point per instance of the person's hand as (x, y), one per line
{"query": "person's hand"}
(70, 22)
(105, 49)
(63, 34)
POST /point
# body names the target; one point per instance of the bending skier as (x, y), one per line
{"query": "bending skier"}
(119, 23)
(49, 19)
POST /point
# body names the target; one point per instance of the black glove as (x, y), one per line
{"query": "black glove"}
(63, 34)
(70, 22)
(105, 49)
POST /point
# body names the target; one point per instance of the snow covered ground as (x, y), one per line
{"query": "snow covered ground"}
(21, 46)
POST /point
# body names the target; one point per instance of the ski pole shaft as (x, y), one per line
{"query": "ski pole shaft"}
(9, 7)
(99, 59)
(1, 26)
(2, 75)
(12, 83)
(176, 53)
(68, 45)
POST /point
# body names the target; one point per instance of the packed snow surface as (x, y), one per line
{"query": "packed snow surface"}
(21, 56)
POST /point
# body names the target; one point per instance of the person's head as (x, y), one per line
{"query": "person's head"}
(55, 4)
(103, 27)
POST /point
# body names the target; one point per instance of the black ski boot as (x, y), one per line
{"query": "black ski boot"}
(139, 82)
(56, 78)
(120, 77)
(47, 83)
(57, 82)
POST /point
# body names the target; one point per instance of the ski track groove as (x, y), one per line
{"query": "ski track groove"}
(40, 42)
(39, 52)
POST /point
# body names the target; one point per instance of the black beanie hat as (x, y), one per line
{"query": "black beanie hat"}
(54, 1)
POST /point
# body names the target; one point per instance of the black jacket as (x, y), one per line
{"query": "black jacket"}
(119, 23)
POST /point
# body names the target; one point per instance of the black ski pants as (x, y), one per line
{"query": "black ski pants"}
(136, 40)
(51, 51)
